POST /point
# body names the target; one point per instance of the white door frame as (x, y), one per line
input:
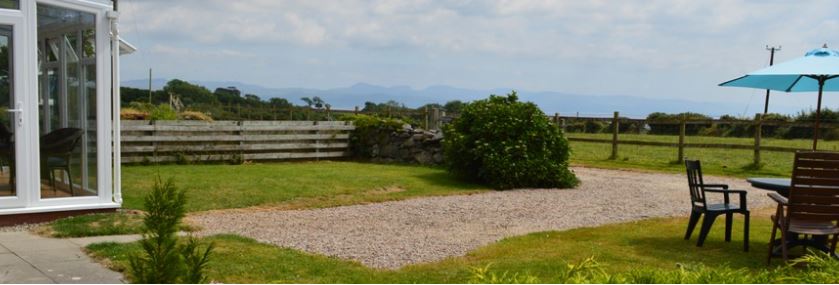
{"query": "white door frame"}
(23, 126)
(103, 113)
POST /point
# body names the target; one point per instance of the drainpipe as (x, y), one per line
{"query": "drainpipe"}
(113, 17)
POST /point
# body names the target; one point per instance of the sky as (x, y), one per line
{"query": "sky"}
(673, 49)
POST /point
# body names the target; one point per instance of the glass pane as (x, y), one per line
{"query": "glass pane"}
(10, 4)
(7, 126)
(68, 102)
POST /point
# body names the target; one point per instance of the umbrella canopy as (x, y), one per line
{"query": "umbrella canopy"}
(817, 71)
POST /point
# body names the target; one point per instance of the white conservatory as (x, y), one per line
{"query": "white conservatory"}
(59, 108)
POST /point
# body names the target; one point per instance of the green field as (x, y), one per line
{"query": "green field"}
(729, 162)
(292, 185)
(654, 244)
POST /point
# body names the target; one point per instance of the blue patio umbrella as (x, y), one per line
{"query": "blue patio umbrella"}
(817, 71)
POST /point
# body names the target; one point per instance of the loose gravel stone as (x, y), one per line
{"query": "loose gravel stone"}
(395, 234)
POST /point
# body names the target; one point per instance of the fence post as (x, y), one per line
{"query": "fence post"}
(291, 114)
(615, 129)
(435, 118)
(425, 114)
(758, 135)
(682, 127)
(556, 118)
(355, 111)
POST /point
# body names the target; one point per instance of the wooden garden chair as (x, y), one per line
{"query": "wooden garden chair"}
(700, 206)
(813, 204)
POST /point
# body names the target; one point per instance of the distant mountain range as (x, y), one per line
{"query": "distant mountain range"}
(550, 102)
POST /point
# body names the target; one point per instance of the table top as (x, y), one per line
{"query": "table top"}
(774, 184)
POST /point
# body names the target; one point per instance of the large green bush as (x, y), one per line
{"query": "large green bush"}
(508, 144)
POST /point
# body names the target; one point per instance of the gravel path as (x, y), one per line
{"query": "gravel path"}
(394, 234)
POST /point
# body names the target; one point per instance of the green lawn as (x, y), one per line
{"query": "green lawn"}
(728, 162)
(654, 244)
(292, 185)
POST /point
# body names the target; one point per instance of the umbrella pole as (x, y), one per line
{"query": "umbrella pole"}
(818, 114)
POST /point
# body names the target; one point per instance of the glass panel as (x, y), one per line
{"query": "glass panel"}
(10, 4)
(7, 126)
(68, 98)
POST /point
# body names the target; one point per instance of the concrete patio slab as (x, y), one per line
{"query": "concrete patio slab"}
(28, 258)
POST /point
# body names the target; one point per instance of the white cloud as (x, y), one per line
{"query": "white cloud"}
(708, 40)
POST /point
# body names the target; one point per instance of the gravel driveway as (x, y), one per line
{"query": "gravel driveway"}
(394, 234)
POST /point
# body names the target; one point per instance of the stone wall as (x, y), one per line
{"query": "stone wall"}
(408, 145)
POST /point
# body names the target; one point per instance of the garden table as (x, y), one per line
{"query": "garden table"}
(782, 186)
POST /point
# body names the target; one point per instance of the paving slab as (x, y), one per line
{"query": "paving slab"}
(23, 274)
(28, 258)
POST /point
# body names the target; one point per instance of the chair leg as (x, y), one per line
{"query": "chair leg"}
(772, 242)
(706, 227)
(746, 231)
(70, 182)
(694, 219)
(784, 244)
(728, 221)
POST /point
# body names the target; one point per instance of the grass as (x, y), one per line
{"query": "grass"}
(727, 162)
(93, 225)
(654, 244)
(292, 185)
(105, 224)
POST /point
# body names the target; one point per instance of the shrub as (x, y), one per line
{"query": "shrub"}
(507, 144)
(132, 114)
(672, 128)
(163, 260)
(369, 132)
(163, 112)
(194, 116)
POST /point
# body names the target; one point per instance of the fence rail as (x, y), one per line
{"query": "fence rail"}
(176, 141)
(757, 125)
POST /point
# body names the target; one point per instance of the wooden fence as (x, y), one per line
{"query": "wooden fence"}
(184, 141)
(758, 124)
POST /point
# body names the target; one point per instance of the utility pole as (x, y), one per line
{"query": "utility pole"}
(771, 61)
(150, 86)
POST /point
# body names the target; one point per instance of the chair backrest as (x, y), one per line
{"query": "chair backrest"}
(694, 171)
(61, 141)
(814, 193)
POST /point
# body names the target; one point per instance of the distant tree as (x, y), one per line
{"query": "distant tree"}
(309, 101)
(252, 100)
(455, 106)
(279, 103)
(190, 93)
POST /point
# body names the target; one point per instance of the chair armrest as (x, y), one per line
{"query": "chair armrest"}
(778, 198)
(742, 194)
(723, 186)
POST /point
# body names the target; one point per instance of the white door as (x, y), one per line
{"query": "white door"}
(13, 161)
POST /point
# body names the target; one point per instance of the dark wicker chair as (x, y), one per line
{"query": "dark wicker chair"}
(7, 154)
(700, 206)
(813, 204)
(56, 151)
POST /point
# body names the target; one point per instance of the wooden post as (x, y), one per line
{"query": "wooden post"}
(425, 114)
(682, 127)
(758, 135)
(355, 111)
(291, 114)
(435, 118)
(615, 129)
(562, 125)
(329, 113)
(556, 118)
